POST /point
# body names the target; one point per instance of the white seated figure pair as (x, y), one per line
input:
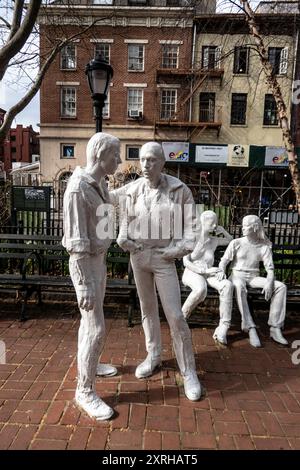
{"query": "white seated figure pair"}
(244, 255)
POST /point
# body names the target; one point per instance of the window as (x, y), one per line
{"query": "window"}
(270, 111)
(135, 102)
(105, 111)
(68, 102)
(168, 103)
(13, 138)
(241, 60)
(207, 107)
(103, 49)
(136, 57)
(13, 150)
(132, 153)
(67, 151)
(238, 108)
(211, 56)
(68, 57)
(103, 2)
(170, 55)
(278, 57)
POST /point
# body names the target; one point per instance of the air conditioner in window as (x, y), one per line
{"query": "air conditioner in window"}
(134, 113)
(35, 158)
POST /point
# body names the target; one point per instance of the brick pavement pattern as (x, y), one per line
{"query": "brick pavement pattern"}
(252, 396)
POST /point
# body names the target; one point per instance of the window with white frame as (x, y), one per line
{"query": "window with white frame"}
(68, 101)
(67, 151)
(68, 57)
(278, 58)
(168, 100)
(135, 102)
(270, 111)
(136, 57)
(241, 60)
(211, 57)
(105, 111)
(103, 49)
(170, 53)
(132, 152)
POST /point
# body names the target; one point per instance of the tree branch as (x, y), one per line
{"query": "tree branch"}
(17, 17)
(15, 44)
(7, 24)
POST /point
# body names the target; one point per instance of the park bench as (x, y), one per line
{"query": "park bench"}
(38, 263)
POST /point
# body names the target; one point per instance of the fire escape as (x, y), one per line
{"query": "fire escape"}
(191, 81)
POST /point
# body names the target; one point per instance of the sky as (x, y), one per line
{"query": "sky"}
(30, 115)
(11, 92)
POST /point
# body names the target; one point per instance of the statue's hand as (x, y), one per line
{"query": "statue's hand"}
(268, 290)
(220, 275)
(86, 297)
(168, 253)
(129, 245)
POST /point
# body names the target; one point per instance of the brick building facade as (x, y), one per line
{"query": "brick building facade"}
(149, 45)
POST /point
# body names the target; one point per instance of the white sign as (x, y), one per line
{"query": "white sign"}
(276, 156)
(238, 155)
(176, 151)
(211, 154)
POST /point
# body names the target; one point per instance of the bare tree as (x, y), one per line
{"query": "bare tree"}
(277, 93)
(19, 41)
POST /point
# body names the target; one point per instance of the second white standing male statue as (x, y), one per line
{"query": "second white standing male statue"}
(155, 205)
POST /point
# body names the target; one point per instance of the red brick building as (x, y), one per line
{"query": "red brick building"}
(19, 145)
(149, 45)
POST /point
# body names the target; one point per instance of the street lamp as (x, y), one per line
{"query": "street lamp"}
(99, 73)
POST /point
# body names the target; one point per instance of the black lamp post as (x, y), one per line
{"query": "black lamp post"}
(99, 73)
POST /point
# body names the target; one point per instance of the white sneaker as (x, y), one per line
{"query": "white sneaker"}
(220, 333)
(147, 367)
(192, 387)
(93, 405)
(106, 370)
(276, 335)
(254, 339)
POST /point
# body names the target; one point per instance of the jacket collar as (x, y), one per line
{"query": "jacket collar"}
(167, 184)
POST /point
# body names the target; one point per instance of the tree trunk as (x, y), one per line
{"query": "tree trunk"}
(276, 91)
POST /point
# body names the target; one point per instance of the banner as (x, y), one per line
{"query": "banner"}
(211, 154)
(238, 155)
(176, 151)
(276, 156)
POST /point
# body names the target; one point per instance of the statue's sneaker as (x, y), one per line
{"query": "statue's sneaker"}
(93, 406)
(254, 339)
(147, 367)
(192, 386)
(106, 370)
(276, 335)
(220, 334)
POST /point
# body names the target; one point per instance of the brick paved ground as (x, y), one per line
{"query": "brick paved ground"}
(252, 396)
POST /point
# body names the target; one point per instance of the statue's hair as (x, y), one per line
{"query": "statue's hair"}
(257, 224)
(97, 145)
(207, 214)
(153, 147)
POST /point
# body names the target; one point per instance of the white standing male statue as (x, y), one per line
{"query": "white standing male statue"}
(155, 205)
(245, 254)
(85, 193)
(199, 272)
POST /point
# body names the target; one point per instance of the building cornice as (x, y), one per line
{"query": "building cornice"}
(117, 16)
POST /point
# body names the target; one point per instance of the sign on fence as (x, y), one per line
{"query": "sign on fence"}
(31, 198)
